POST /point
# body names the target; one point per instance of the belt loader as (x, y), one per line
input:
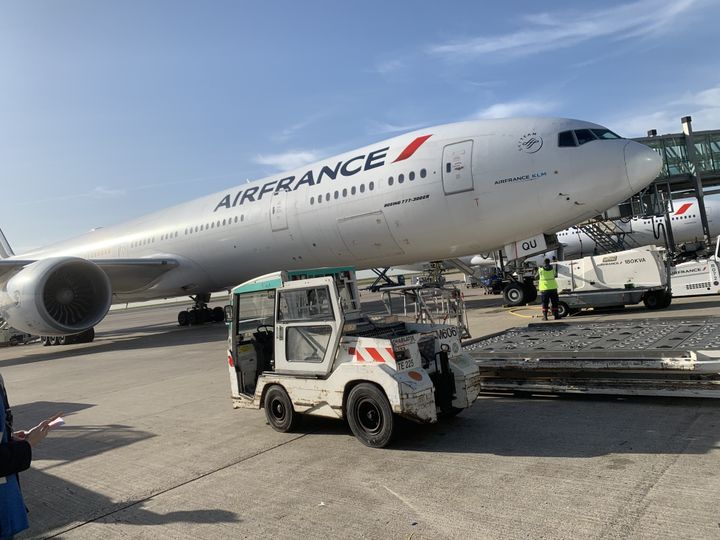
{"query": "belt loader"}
(299, 344)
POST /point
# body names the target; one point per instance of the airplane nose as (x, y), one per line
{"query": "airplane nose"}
(642, 164)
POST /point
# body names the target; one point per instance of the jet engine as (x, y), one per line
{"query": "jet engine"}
(56, 296)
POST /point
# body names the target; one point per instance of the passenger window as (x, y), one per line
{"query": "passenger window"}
(312, 200)
(362, 188)
(566, 138)
(411, 176)
(352, 190)
(327, 197)
(584, 136)
(423, 173)
(371, 186)
(401, 178)
(344, 192)
(390, 181)
(336, 195)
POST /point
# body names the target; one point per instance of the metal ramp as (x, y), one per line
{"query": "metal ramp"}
(655, 357)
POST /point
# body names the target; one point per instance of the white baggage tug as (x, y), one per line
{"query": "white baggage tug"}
(299, 343)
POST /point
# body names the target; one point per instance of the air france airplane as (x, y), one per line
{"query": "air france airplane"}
(437, 193)
(684, 220)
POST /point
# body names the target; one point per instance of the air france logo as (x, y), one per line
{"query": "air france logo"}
(314, 177)
(530, 143)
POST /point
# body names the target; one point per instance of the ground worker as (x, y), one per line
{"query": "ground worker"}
(548, 288)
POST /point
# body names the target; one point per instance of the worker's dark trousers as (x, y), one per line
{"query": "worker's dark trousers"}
(550, 296)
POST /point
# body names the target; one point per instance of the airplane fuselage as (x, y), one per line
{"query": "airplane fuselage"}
(438, 193)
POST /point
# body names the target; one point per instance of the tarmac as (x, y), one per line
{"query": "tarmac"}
(152, 448)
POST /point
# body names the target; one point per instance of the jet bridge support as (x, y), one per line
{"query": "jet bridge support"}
(650, 357)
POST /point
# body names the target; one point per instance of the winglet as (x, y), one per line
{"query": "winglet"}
(5, 249)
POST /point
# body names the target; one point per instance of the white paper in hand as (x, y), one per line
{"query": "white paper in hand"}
(56, 423)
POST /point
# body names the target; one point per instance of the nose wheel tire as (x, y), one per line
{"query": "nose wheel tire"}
(370, 416)
(279, 410)
(514, 294)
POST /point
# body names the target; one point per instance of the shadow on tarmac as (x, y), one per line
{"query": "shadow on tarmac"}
(57, 506)
(573, 426)
(106, 343)
(565, 426)
(73, 442)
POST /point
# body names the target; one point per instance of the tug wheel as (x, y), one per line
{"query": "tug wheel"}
(370, 416)
(563, 309)
(656, 300)
(279, 410)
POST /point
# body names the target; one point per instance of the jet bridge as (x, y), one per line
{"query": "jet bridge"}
(649, 357)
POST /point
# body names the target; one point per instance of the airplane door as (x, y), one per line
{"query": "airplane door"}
(278, 211)
(457, 167)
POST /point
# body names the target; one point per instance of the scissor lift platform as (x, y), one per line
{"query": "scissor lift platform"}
(658, 357)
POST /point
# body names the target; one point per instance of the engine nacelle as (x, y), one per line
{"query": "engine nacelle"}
(56, 296)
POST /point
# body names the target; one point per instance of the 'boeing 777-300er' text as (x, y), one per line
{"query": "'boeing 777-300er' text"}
(438, 193)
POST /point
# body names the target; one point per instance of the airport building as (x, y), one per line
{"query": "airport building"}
(686, 152)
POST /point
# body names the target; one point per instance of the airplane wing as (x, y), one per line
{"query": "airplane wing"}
(126, 275)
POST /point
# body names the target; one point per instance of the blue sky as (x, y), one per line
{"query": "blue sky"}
(109, 110)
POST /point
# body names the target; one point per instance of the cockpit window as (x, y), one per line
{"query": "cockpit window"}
(566, 138)
(605, 134)
(584, 136)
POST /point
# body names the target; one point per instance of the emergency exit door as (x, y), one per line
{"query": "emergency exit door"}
(457, 167)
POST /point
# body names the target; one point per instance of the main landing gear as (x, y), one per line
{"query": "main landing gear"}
(83, 337)
(200, 313)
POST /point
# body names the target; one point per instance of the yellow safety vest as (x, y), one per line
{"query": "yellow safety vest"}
(546, 279)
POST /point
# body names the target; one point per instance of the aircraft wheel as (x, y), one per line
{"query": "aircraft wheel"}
(183, 318)
(514, 294)
(62, 340)
(370, 416)
(193, 318)
(45, 341)
(88, 336)
(279, 410)
(54, 340)
(218, 314)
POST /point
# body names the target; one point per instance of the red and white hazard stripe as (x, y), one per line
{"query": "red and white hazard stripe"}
(379, 355)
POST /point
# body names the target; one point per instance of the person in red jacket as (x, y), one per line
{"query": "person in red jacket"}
(15, 456)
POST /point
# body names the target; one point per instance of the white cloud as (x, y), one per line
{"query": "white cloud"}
(380, 128)
(101, 192)
(388, 66)
(515, 108)
(551, 31)
(288, 160)
(703, 106)
(291, 130)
